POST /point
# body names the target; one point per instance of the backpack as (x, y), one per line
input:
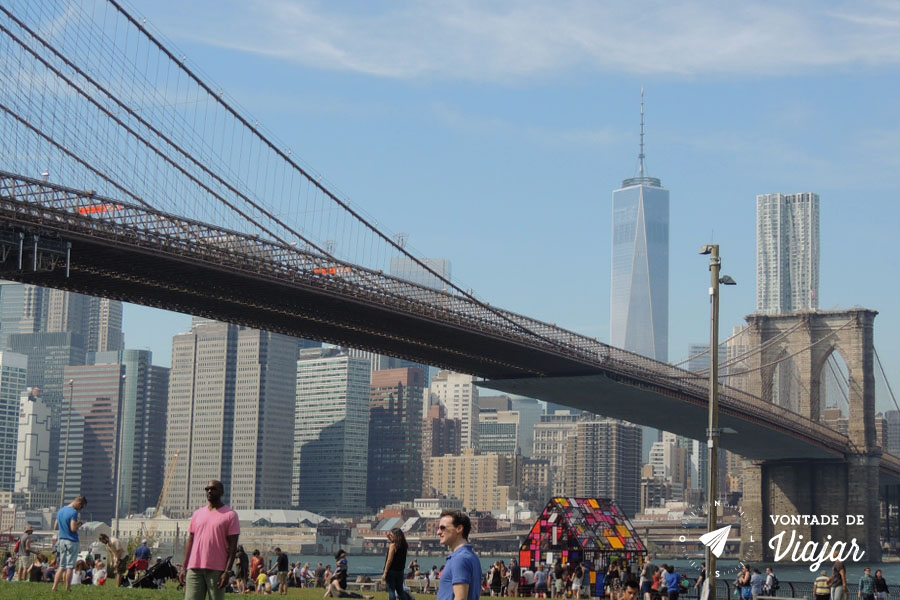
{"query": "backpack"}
(775, 582)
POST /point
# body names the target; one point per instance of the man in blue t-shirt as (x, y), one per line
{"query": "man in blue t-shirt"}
(461, 578)
(673, 583)
(142, 557)
(68, 523)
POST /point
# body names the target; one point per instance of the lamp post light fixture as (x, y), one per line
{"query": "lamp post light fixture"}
(713, 431)
(62, 487)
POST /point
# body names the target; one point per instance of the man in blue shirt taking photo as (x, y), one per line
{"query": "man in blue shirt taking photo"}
(69, 523)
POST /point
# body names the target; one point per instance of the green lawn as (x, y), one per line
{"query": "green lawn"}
(29, 591)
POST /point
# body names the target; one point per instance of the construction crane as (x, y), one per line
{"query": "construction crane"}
(170, 473)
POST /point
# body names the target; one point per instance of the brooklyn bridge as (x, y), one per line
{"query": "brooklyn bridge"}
(123, 174)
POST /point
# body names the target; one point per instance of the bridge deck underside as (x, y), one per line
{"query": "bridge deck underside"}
(152, 278)
(756, 439)
(602, 395)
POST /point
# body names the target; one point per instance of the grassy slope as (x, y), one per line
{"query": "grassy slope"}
(29, 591)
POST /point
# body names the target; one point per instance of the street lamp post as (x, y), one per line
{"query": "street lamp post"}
(713, 431)
(62, 487)
(120, 421)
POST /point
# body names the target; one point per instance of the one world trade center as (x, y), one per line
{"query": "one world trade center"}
(639, 296)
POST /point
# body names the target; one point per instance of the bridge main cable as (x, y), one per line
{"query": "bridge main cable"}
(284, 156)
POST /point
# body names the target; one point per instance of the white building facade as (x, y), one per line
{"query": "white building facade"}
(458, 394)
(33, 447)
(787, 253)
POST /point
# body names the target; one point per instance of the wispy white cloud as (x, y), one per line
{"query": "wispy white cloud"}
(517, 40)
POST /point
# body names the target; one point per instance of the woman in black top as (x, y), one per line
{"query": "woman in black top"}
(881, 586)
(394, 563)
(243, 569)
(35, 574)
(495, 579)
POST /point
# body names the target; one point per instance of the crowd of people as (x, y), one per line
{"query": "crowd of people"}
(214, 563)
(65, 565)
(556, 581)
(835, 586)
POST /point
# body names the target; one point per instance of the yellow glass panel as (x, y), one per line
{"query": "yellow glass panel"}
(616, 543)
(623, 531)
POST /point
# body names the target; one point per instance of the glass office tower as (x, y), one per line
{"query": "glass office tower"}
(639, 302)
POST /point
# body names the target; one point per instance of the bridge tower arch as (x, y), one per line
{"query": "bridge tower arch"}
(808, 339)
(845, 485)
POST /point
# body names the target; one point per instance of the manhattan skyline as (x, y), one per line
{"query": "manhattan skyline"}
(505, 168)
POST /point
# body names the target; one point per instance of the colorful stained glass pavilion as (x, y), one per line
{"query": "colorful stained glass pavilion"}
(581, 529)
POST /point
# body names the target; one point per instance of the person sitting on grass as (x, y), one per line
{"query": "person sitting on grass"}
(99, 575)
(36, 571)
(50, 573)
(79, 573)
(338, 585)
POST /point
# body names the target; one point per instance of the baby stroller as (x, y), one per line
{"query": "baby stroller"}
(157, 575)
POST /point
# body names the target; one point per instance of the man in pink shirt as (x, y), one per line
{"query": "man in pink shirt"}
(210, 548)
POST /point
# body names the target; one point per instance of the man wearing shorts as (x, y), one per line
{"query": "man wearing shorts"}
(118, 557)
(282, 568)
(22, 556)
(540, 582)
(211, 546)
(68, 524)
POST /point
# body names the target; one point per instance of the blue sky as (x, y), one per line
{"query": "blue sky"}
(493, 133)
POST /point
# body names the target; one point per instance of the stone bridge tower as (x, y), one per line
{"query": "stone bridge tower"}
(847, 485)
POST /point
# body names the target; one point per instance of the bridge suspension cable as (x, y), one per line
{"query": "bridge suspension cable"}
(779, 360)
(110, 93)
(705, 352)
(750, 352)
(146, 159)
(886, 382)
(839, 379)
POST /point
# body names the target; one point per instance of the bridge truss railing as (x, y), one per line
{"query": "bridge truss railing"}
(64, 209)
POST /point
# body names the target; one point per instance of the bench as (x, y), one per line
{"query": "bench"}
(418, 585)
(357, 585)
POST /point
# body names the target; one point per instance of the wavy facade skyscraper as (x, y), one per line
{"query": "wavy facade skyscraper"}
(787, 253)
(639, 294)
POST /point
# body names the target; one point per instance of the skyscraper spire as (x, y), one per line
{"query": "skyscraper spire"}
(641, 155)
(642, 177)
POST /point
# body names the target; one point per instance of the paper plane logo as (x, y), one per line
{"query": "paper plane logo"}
(715, 540)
